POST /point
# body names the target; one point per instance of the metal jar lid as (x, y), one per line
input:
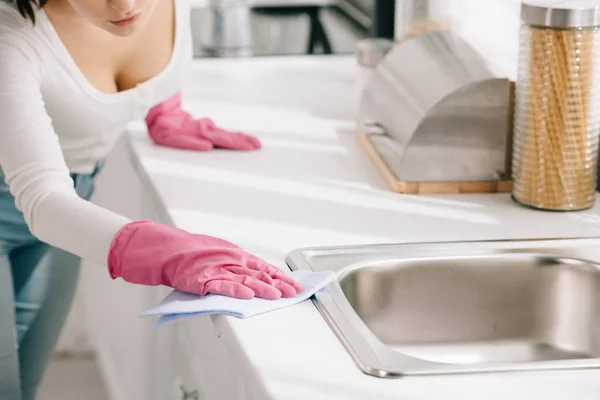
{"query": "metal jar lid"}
(370, 51)
(561, 13)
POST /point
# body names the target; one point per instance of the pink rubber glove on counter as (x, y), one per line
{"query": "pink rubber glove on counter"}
(169, 125)
(147, 253)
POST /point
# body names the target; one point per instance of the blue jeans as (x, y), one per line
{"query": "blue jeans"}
(37, 284)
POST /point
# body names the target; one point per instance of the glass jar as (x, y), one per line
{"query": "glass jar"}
(416, 17)
(557, 105)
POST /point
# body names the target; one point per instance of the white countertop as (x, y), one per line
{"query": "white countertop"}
(311, 185)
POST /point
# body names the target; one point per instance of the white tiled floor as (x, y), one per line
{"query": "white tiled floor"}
(73, 379)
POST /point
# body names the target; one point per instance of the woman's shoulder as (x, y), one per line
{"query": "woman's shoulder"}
(17, 32)
(14, 27)
(20, 42)
(11, 21)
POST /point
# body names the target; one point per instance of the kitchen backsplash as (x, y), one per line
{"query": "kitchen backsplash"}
(492, 28)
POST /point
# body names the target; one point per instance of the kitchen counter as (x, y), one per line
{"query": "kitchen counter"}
(311, 185)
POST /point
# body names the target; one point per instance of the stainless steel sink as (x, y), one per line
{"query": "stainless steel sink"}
(463, 307)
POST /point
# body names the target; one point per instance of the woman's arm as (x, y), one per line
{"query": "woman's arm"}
(140, 252)
(33, 163)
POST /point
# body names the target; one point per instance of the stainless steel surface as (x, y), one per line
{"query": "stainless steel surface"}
(579, 13)
(445, 112)
(276, 34)
(463, 307)
(370, 51)
(226, 31)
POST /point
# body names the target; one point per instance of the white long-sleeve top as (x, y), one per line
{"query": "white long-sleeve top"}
(54, 122)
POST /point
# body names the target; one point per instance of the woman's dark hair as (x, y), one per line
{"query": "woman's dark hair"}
(25, 7)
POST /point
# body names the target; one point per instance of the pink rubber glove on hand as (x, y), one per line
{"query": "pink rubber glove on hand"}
(148, 253)
(169, 125)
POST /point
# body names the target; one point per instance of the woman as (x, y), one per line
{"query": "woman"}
(73, 73)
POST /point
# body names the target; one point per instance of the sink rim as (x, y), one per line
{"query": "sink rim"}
(371, 355)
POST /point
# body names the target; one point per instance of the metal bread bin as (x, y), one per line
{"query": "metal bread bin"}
(434, 111)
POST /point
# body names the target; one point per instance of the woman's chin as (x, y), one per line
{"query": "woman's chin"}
(126, 28)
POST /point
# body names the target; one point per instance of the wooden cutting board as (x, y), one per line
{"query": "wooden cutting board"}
(454, 187)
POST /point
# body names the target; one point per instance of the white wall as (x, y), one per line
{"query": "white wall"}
(492, 28)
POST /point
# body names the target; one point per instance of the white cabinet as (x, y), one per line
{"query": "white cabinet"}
(191, 362)
(120, 338)
(139, 364)
(202, 362)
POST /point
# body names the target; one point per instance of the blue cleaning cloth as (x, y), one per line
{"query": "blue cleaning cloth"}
(179, 305)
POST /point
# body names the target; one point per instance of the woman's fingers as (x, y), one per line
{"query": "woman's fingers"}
(228, 288)
(186, 143)
(206, 128)
(258, 264)
(232, 140)
(262, 289)
(280, 276)
(240, 286)
(274, 272)
(235, 141)
(236, 269)
(284, 287)
(277, 273)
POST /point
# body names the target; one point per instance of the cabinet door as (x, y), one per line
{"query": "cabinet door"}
(187, 379)
(205, 365)
(123, 342)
